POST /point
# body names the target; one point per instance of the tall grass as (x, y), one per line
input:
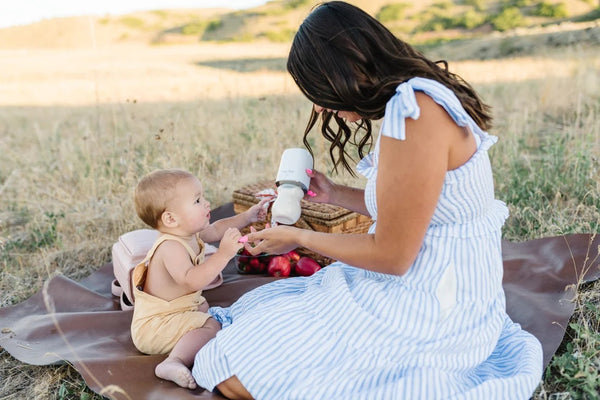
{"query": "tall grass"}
(546, 168)
(67, 174)
(547, 160)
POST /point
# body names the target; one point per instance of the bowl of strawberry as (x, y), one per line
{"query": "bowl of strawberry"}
(284, 265)
(246, 263)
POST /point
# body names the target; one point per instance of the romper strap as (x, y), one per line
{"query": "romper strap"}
(166, 236)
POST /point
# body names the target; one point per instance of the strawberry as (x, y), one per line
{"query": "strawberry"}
(264, 263)
(243, 267)
(279, 266)
(306, 266)
(255, 265)
(244, 252)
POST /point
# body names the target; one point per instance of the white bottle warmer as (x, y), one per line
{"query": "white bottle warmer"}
(292, 183)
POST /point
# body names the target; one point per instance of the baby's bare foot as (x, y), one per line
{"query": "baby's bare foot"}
(172, 369)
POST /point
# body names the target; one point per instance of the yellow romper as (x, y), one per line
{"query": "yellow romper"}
(158, 324)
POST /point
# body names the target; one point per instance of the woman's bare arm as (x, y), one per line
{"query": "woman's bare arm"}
(409, 182)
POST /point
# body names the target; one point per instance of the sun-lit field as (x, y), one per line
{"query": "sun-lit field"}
(78, 128)
(147, 74)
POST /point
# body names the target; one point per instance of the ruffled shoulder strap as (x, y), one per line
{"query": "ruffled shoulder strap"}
(403, 104)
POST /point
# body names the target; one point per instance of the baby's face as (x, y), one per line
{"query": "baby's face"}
(190, 206)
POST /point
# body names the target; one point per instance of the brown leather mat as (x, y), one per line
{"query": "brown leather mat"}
(88, 329)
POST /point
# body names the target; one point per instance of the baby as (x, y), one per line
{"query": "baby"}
(170, 314)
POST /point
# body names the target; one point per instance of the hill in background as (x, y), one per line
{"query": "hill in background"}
(426, 23)
(418, 21)
(92, 31)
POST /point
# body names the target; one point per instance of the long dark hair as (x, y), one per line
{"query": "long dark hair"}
(344, 59)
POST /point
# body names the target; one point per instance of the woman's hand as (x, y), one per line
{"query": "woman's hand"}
(321, 187)
(276, 240)
(324, 190)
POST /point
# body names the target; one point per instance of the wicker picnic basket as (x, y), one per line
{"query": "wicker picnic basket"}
(315, 216)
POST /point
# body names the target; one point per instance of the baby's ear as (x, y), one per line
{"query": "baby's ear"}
(168, 219)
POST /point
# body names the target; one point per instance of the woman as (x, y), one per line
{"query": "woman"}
(414, 309)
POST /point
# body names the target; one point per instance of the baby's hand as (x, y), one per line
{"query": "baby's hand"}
(258, 212)
(230, 245)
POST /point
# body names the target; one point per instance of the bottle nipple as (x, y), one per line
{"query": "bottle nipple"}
(286, 208)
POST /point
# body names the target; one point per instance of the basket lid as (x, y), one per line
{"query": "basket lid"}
(322, 211)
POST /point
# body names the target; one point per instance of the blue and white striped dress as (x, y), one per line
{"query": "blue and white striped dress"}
(438, 332)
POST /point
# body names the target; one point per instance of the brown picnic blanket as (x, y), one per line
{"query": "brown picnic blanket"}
(81, 322)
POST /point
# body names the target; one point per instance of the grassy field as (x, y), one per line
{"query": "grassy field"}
(80, 126)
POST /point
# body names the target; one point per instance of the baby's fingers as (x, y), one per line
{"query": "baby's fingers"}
(233, 234)
(262, 202)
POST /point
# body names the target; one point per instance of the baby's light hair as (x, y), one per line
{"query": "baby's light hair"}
(154, 191)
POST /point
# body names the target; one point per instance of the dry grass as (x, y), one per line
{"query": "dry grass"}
(79, 127)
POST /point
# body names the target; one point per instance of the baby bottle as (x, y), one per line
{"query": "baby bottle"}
(292, 183)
